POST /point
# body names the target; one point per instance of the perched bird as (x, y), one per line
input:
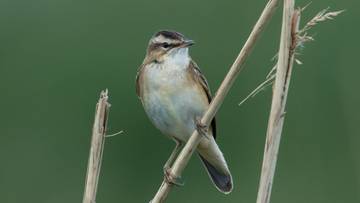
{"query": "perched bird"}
(175, 95)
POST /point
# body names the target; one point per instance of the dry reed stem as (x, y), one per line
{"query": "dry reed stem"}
(302, 37)
(185, 155)
(290, 23)
(96, 148)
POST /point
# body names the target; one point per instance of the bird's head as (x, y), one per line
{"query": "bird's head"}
(166, 44)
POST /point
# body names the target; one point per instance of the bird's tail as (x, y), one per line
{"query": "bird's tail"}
(216, 167)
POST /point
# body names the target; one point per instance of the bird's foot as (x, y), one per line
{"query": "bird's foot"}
(171, 178)
(201, 128)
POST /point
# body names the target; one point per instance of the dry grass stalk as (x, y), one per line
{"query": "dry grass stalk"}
(323, 15)
(291, 39)
(225, 86)
(96, 148)
(302, 37)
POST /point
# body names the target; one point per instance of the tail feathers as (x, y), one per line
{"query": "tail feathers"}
(223, 182)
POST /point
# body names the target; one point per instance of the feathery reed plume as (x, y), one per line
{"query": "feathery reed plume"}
(291, 39)
(302, 37)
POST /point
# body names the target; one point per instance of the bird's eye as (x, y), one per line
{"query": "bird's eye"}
(165, 45)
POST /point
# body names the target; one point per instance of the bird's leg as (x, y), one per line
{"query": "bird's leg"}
(170, 178)
(173, 154)
(201, 128)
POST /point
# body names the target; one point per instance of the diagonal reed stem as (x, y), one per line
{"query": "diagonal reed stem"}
(224, 88)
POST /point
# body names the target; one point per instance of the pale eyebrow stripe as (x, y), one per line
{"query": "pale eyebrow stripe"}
(161, 39)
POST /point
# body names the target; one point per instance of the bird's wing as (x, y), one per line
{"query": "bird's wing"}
(138, 80)
(200, 78)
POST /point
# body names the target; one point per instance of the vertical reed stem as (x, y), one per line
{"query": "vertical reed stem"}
(290, 23)
(96, 148)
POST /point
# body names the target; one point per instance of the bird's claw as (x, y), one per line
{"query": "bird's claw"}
(201, 128)
(171, 178)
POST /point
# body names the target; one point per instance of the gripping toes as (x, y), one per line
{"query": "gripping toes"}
(172, 179)
(201, 128)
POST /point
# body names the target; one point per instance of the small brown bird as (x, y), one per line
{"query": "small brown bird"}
(175, 95)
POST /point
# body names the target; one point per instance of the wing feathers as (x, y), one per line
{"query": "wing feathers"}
(200, 78)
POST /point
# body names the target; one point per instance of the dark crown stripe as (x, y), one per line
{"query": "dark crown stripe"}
(170, 34)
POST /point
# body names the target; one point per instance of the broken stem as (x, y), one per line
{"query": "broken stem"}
(96, 148)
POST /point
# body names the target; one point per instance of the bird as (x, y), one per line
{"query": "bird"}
(175, 95)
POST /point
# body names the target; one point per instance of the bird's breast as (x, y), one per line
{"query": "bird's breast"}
(172, 100)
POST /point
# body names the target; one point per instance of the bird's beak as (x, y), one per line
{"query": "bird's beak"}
(187, 43)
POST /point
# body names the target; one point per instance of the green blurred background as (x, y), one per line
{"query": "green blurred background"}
(56, 56)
